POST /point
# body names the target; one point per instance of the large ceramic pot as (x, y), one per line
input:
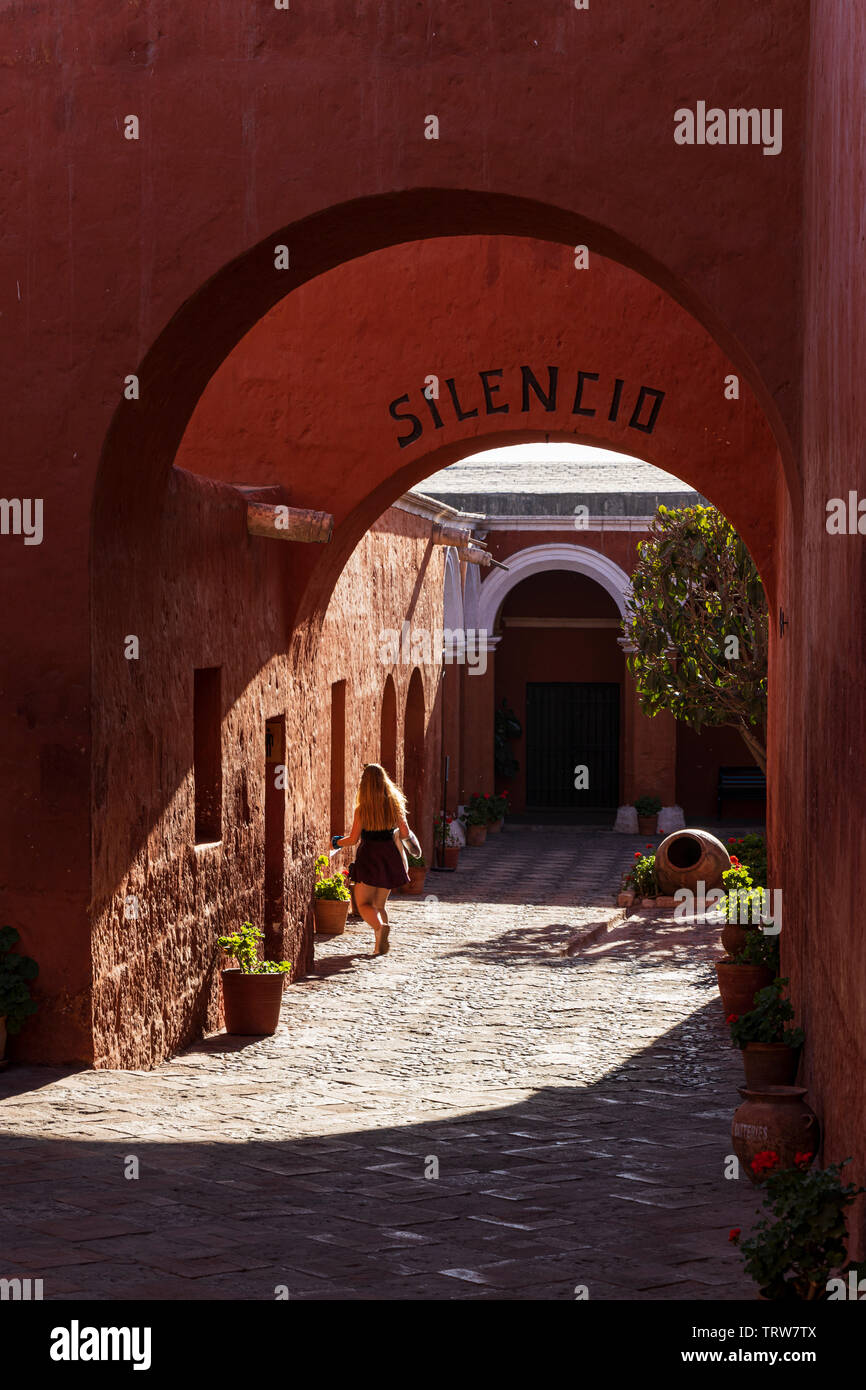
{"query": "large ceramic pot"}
(447, 856)
(476, 834)
(770, 1064)
(415, 886)
(252, 1002)
(775, 1119)
(330, 914)
(738, 985)
(686, 858)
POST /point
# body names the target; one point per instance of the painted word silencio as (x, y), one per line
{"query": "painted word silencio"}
(496, 396)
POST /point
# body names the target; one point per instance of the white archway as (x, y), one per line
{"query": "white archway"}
(453, 596)
(535, 559)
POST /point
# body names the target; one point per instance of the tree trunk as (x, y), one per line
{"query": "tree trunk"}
(757, 749)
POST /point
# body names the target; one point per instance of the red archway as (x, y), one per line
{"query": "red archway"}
(414, 762)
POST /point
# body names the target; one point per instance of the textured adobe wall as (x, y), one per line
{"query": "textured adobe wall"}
(212, 596)
(818, 814)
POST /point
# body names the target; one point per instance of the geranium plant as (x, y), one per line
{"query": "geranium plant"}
(442, 833)
(648, 805)
(16, 972)
(479, 810)
(416, 861)
(760, 949)
(501, 805)
(331, 886)
(769, 1021)
(243, 946)
(642, 875)
(796, 1248)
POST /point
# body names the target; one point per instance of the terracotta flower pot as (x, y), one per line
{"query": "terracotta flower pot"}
(415, 886)
(738, 985)
(476, 835)
(770, 1064)
(330, 914)
(495, 826)
(252, 1002)
(647, 825)
(688, 857)
(774, 1118)
(734, 938)
(447, 856)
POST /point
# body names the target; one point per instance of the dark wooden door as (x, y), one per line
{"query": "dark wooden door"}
(571, 724)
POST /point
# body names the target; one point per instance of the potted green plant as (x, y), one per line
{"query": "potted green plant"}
(770, 1046)
(447, 847)
(798, 1250)
(417, 874)
(331, 898)
(253, 992)
(499, 808)
(756, 964)
(647, 808)
(16, 972)
(476, 818)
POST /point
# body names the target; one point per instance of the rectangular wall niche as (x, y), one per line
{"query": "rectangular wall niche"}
(207, 754)
(338, 758)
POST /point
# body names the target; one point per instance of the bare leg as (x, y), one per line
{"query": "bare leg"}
(380, 900)
(368, 899)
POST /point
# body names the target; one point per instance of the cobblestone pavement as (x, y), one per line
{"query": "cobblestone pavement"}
(566, 1069)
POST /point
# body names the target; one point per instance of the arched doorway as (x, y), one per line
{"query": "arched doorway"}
(414, 769)
(388, 728)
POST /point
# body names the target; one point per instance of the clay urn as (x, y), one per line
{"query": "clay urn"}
(770, 1064)
(774, 1120)
(738, 985)
(252, 1002)
(687, 857)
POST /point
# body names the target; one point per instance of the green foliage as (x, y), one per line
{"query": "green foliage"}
(243, 946)
(332, 887)
(642, 876)
(416, 861)
(442, 833)
(797, 1246)
(506, 726)
(760, 949)
(501, 805)
(751, 852)
(694, 588)
(16, 972)
(648, 805)
(768, 1021)
(479, 810)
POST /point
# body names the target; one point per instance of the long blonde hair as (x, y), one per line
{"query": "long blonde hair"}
(381, 804)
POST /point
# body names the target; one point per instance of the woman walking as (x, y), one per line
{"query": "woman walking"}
(380, 864)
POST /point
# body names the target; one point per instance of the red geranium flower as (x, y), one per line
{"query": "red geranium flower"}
(734, 1234)
(735, 863)
(486, 796)
(765, 1161)
(732, 1018)
(637, 854)
(731, 840)
(803, 1160)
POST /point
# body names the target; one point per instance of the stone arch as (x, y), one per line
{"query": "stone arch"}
(556, 556)
(453, 605)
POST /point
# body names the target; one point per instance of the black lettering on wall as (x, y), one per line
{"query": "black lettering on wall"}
(417, 427)
(431, 406)
(460, 412)
(614, 405)
(488, 393)
(577, 408)
(656, 406)
(529, 380)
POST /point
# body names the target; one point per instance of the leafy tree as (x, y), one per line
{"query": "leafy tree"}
(696, 625)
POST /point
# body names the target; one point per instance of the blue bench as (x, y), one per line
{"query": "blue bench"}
(744, 783)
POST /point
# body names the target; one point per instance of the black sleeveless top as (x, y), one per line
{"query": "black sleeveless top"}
(378, 834)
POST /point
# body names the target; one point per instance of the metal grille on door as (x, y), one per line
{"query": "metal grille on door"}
(570, 724)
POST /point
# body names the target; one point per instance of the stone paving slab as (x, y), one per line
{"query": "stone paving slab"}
(577, 1104)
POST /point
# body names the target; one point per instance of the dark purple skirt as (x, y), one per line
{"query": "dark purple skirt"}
(379, 864)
